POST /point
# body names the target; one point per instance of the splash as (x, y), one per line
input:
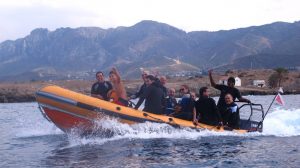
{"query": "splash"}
(282, 123)
(279, 122)
(147, 130)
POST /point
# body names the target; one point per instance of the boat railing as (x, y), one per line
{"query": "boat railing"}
(250, 123)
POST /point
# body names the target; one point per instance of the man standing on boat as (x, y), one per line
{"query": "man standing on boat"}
(142, 88)
(154, 97)
(101, 87)
(225, 89)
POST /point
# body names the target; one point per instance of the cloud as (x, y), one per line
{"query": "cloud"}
(18, 18)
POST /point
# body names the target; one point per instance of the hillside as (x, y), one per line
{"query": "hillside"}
(25, 91)
(77, 53)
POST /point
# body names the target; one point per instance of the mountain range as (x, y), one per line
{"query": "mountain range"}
(79, 52)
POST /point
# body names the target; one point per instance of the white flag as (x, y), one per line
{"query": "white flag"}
(280, 90)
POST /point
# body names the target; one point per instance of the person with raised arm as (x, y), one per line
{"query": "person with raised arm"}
(225, 89)
(118, 92)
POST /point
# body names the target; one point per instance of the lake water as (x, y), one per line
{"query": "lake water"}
(29, 140)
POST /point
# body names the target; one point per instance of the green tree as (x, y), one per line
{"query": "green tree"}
(276, 79)
(281, 73)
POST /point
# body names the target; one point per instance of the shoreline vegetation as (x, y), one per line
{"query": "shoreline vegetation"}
(12, 92)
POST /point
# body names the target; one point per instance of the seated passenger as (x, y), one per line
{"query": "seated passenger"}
(171, 102)
(187, 105)
(101, 87)
(207, 111)
(153, 96)
(118, 91)
(193, 96)
(163, 81)
(231, 115)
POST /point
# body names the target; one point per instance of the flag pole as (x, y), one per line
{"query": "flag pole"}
(270, 106)
(278, 92)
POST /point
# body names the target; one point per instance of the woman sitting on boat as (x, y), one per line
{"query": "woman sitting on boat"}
(117, 93)
(186, 109)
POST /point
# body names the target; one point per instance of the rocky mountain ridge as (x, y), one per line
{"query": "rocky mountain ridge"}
(70, 53)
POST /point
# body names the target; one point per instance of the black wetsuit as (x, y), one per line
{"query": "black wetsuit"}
(231, 116)
(101, 88)
(207, 111)
(235, 93)
(141, 91)
(154, 99)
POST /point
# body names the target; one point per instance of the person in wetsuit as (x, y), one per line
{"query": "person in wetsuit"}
(153, 96)
(231, 115)
(101, 87)
(234, 92)
(207, 111)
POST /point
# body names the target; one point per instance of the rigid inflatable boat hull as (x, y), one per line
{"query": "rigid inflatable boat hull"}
(69, 110)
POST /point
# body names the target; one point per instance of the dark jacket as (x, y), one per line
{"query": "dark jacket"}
(141, 91)
(235, 93)
(187, 105)
(101, 89)
(207, 111)
(154, 99)
(231, 116)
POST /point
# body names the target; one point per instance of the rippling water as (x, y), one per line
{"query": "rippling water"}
(29, 140)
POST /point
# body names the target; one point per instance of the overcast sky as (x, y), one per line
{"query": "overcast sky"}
(19, 17)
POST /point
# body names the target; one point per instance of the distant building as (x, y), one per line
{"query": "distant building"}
(223, 81)
(259, 83)
(238, 81)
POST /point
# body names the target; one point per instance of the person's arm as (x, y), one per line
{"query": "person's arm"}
(139, 93)
(217, 112)
(212, 82)
(117, 74)
(195, 120)
(242, 99)
(142, 98)
(138, 104)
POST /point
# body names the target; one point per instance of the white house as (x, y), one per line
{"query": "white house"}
(259, 83)
(238, 81)
(223, 81)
